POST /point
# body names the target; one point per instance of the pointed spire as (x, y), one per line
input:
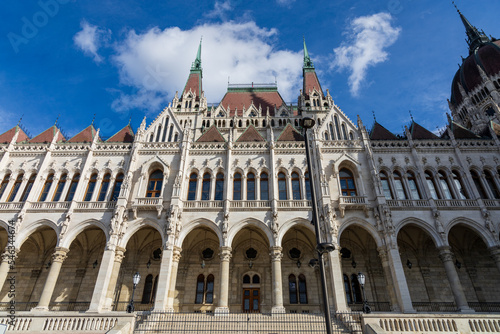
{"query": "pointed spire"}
(475, 38)
(196, 66)
(308, 64)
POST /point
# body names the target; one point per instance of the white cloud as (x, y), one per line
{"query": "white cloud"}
(220, 9)
(369, 37)
(90, 39)
(157, 62)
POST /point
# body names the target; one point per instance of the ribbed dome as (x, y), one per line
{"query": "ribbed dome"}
(487, 56)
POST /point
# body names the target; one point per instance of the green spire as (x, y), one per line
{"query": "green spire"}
(308, 64)
(475, 38)
(196, 66)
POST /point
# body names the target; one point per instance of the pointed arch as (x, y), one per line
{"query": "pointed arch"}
(473, 225)
(26, 231)
(237, 227)
(363, 224)
(288, 225)
(426, 227)
(136, 225)
(79, 228)
(186, 229)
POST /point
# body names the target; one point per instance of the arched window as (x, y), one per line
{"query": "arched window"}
(326, 135)
(337, 127)
(356, 289)
(72, 187)
(385, 185)
(430, 183)
(398, 184)
(104, 187)
(237, 187)
(200, 289)
(117, 187)
(193, 181)
(46, 188)
(444, 185)
(4, 184)
(264, 187)
(28, 187)
(148, 288)
(246, 279)
(491, 184)
(90, 187)
(256, 279)
(413, 185)
(332, 134)
(155, 286)
(457, 180)
(292, 289)
(59, 188)
(158, 134)
(219, 187)
(308, 186)
(205, 187)
(155, 184)
(347, 288)
(250, 187)
(209, 295)
(296, 186)
(344, 133)
(477, 183)
(347, 183)
(15, 188)
(282, 187)
(302, 289)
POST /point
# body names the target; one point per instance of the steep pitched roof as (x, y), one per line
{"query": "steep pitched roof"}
(496, 128)
(419, 132)
(462, 133)
(290, 134)
(378, 132)
(6, 137)
(212, 135)
(251, 134)
(239, 98)
(125, 135)
(194, 80)
(85, 136)
(48, 135)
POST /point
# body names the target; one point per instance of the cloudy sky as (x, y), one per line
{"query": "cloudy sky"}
(68, 60)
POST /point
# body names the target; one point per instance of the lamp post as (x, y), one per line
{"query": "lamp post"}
(135, 280)
(321, 248)
(361, 280)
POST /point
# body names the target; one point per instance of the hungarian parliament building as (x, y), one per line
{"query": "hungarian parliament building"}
(211, 207)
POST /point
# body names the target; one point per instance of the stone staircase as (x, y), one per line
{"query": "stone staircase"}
(239, 323)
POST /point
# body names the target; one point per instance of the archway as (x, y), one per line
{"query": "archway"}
(79, 270)
(477, 271)
(143, 255)
(429, 287)
(198, 274)
(301, 281)
(250, 249)
(359, 253)
(32, 267)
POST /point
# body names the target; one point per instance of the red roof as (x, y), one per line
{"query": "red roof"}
(311, 82)
(419, 132)
(48, 135)
(251, 134)
(239, 98)
(193, 84)
(7, 136)
(212, 135)
(85, 136)
(378, 132)
(290, 134)
(125, 135)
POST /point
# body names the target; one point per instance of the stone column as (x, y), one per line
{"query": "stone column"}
(399, 281)
(5, 266)
(337, 280)
(225, 257)
(57, 260)
(176, 257)
(161, 297)
(446, 255)
(119, 256)
(494, 252)
(277, 282)
(382, 253)
(103, 279)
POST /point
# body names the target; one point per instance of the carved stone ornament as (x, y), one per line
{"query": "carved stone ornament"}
(225, 254)
(276, 253)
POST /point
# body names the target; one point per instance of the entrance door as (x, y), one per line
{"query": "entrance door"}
(251, 300)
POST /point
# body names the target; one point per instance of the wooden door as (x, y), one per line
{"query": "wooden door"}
(251, 300)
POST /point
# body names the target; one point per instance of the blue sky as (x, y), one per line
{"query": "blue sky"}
(121, 59)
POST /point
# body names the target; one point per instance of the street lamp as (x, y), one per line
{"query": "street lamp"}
(361, 280)
(135, 280)
(321, 248)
